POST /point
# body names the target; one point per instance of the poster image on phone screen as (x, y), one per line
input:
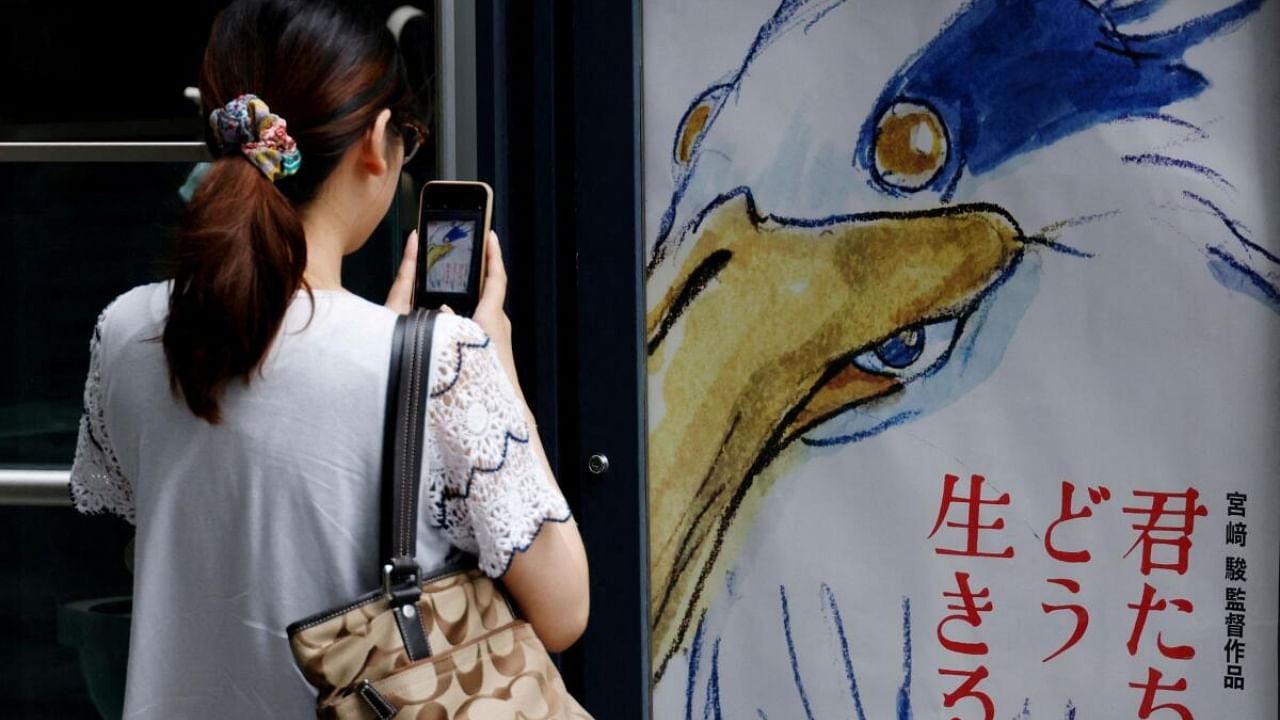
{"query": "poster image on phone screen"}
(449, 247)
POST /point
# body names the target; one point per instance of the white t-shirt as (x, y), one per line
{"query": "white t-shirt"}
(272, 515)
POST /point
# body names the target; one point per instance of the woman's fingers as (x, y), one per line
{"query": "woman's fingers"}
(490, 315)
(400, 298)
(494, 293)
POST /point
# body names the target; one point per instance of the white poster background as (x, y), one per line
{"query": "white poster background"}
(1133, 369)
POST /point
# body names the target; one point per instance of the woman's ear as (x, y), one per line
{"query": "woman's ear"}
(374, 148)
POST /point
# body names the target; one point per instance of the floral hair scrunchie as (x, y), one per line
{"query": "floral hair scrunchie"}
(248, 124)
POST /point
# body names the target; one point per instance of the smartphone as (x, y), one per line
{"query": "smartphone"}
(454, 218)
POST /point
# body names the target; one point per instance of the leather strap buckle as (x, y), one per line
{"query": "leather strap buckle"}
(401, 586)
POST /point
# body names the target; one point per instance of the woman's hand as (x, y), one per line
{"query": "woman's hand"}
(490, 315)
(400, 298)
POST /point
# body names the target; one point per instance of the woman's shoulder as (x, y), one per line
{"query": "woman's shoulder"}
(141, 299)
(140, 310)
(454, 340)
(451, 329)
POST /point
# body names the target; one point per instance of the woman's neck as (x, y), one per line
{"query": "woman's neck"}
(326, 246)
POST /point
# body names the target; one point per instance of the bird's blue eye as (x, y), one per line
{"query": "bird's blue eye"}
(902, 349)
(911, 351)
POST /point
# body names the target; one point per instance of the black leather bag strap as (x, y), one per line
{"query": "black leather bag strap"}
(402, 447)
(385, 546)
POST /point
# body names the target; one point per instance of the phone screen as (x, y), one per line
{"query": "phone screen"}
(452, 224)
(449, 246)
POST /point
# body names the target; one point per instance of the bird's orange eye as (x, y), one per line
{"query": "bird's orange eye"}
(910, 146)
(695, 123)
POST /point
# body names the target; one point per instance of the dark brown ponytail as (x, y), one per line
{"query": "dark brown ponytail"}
(328, 68)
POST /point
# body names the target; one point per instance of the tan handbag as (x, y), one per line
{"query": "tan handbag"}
(446, 646)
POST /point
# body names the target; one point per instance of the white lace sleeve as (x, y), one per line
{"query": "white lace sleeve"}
(97, 483)
(485, 488)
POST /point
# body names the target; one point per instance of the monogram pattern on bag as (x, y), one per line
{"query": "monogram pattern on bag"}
(336, 654)
(506, 675)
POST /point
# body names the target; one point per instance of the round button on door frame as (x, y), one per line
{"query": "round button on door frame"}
(598, 464)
